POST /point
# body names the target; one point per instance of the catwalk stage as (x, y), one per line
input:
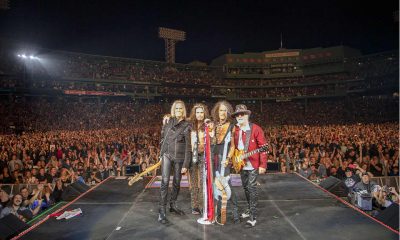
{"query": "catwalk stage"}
(289, 208)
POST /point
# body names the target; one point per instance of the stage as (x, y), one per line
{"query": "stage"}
(289, 208)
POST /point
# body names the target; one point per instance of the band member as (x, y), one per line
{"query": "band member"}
(248, 137)
(175, 153)
(223, 125)
(197, 116)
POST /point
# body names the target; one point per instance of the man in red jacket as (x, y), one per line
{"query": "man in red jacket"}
(248, 137)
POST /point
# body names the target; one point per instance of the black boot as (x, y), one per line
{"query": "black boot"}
(162, 218)
(196, 211)
(173, 208)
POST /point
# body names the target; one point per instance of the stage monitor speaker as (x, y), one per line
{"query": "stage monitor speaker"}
(390, 216)
(80, 187)
(69, 193)
(335, 186)
(11, 226)
(273, 167)
(130, 170)
(73, 190)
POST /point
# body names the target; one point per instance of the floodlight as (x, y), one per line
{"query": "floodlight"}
(171, 37)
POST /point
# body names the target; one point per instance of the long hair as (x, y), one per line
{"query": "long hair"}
(196, 125)
(173, 108)
(215, 111)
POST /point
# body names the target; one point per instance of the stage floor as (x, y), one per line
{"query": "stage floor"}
(289, 208)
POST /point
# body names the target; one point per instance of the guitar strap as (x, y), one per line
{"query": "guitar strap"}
(179, 130)
(231, 127)
(248, 136)
(162, 149)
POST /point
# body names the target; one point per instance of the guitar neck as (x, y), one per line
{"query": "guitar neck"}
(246, 155)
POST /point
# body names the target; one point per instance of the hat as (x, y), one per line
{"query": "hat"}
(364, 173)
(349, 169)
(241, 108)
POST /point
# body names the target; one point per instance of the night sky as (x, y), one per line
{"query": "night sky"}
(130, 28)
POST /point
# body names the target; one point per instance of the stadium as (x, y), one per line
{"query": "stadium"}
(77, 125)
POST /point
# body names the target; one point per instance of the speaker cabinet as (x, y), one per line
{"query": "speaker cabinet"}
(335, 186)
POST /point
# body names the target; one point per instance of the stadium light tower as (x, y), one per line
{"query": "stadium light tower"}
(171, 37)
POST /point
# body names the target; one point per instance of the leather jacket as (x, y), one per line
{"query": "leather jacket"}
(175, 141)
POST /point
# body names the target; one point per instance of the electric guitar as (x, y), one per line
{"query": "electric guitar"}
(222, 189)
(138, 177)
(239, 156)
(221, 186)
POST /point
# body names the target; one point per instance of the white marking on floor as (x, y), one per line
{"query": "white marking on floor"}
(104, 203)
(260, 200)
(127, 213)
(288, 220)
(289, 200)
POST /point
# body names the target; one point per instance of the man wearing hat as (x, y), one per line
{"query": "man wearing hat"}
(366, 184)
(351, 179)
(248, 137)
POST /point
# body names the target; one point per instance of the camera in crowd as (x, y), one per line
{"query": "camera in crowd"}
(300, 161)
(387, 190)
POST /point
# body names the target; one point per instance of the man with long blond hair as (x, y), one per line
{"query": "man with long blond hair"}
(175, 153)
(198, 114)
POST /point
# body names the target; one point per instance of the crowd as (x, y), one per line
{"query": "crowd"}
(52, 160)
(351, 153)
(66, 141)
(97, 73)
(47, 143)
(381, 84)
(100, 67)
(47, 162)
(47, 114)
(71, 114)
(326, 111)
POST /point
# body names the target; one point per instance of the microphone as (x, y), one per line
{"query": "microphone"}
(207, 121)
